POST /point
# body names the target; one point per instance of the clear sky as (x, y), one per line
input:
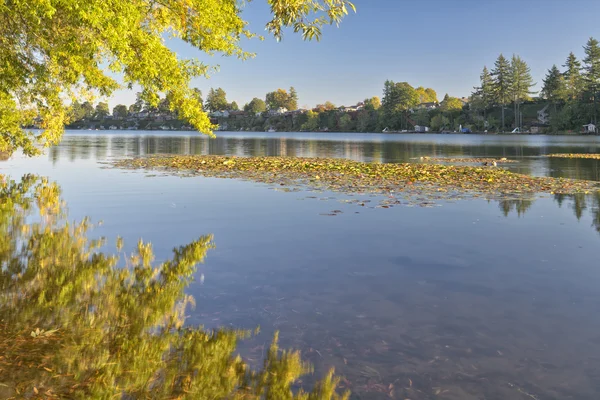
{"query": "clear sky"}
(442, 44)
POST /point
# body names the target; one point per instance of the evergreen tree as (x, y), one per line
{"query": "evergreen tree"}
(485, 92)
(554, 88)
(521, 83)
(502, 83)
(573, 79)
(292, 100)
(591, 68)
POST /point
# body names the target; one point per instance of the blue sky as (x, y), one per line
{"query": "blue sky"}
(442, 44)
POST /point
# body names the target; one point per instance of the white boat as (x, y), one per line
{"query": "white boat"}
(271, 130)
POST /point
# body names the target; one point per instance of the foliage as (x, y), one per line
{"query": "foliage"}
(216, 100)
(282, 99)
(573, 78)
(483, 96)
(451, 104)
(79, 323)
(501, 83)
(426, 95)
(63, 49)
(120, 111)
(255, 106)
(554, 88)
(398, 96)
(101, 110)
(591, 65)
(372, 103)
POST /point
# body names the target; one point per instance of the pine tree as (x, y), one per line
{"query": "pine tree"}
(502, 83)
(554, 88)
(573, 79)
(521, 83)
(486, 90)
(293, 99)
(591, 70)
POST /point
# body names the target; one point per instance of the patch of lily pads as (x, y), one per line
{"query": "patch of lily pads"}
(465, 160)
(575, 155)
(416, 183)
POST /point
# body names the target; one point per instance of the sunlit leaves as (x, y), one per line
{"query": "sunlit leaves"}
(55, 51)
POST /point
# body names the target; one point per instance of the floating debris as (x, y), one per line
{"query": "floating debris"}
(467, 160)
(575, 155)
(429, 182)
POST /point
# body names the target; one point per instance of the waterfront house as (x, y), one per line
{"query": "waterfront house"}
(589, 128)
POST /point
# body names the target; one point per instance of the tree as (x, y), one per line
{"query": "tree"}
(77, 111)
(282, 99)
(372, 103)
(216, 100)
(292, 103)
(101, 110)
(431, 95)
(554, 88)
(591, 68)
(120, 111)
(312, 122)
(346, 124)
(255, 106)
(397, 98)
(164, 105)
(88, 110)
(521, 84)
(502, 83)
(234, 106)
(53, 51)
(485, 92)
(573, 79)
(327, 106)
(197, 93)
(451, 104)
(426, 95)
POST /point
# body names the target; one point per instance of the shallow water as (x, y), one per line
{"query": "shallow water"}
(464, 300)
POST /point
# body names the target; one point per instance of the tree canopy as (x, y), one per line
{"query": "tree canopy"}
(255, 106)
(56, 51)
(281, 98)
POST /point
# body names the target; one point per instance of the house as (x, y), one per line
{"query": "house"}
(354, 108)
(278, 111)
(589, 128)
(427, 106)
(237, 114)
(220, 114)
(421, 129)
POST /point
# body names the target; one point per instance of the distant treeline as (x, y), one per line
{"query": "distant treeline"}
(503, 101)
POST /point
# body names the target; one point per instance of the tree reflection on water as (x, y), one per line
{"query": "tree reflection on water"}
(77, 322)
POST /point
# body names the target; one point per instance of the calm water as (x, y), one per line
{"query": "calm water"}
(464, 300)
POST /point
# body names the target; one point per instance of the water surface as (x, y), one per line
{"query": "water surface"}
(464, 300)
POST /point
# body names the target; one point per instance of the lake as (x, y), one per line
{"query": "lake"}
(469, 299)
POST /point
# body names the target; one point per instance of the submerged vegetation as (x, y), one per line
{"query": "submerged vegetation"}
(575, 155)
(352, 176)
(77, 322)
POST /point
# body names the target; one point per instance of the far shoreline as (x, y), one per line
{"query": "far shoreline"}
(174, 131)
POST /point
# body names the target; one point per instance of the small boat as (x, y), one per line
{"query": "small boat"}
(271, 130)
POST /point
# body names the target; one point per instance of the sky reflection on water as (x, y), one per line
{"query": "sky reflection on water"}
(469, 300)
